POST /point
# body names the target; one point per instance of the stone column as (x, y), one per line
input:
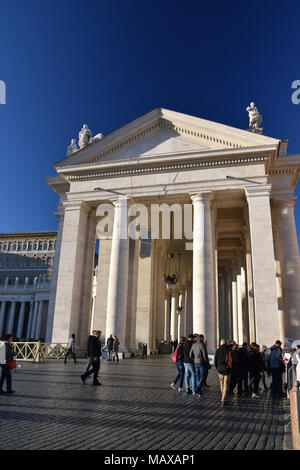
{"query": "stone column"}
(167, 319)
(50, 318)
(290, 264)
(34, 319)
(75, 273)
(234, 303)
(39, 320)
(182, 316)
(228, 302)
(104, 256)
(145, 300)
(21, 320)
(2, 313)
(249, 287)
(118, 274)
(11, 317)
(203, 269)
(263, 264)
(221, 306)
(174, 316)
(188, 307)
(30, 319)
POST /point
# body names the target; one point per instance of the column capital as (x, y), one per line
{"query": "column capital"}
(284, 201)
(205, 197)
(120, 202)
(75, 206)
(261, 190)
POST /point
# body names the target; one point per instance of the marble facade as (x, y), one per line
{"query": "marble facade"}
(26, 261)
(239, 275)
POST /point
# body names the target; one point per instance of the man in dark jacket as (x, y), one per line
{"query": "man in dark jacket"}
(223, 362)
(94, 353)
(243, 369)
(277, 368)
(109, 344)
(255, 365)
(189, 366)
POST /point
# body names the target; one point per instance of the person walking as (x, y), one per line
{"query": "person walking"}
(265, 361)
(180, 366)
(115, 350)
(8, 355)
(109, 344)
(277, 368)
(94, 353)
(223, 364)
(255, 364)
(87, 367)
(71, 349)
(243, 369)
(198, 354)
(206, 364)
(235, 370)
(189, 367)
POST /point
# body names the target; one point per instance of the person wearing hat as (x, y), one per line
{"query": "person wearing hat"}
(189, 367)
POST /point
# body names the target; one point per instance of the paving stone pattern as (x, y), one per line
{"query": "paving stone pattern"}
(134, 409)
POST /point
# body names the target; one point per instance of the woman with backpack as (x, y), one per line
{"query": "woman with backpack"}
(178, 359)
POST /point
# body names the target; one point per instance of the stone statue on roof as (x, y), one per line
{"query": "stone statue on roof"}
(85, 136)
(255, 118)
(72, 147)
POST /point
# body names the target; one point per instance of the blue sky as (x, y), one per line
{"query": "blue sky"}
(106, 62)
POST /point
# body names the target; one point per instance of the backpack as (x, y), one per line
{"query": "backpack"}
(174, 355)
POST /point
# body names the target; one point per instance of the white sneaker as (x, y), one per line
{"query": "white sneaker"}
(197, 395)
(173, 386)
(254, 395)
(181, 389)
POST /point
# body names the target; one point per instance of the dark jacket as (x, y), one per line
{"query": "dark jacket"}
(243, 360)
(198, 353)
(275, 358)
(186, 352)
(221, 359)
(110, 343)
(180, 352)
(255, 362)
(9, 351)
(94, 347)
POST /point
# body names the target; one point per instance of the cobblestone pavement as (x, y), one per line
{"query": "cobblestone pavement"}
(134, 409)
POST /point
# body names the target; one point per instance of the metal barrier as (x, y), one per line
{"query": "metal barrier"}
(36, 351)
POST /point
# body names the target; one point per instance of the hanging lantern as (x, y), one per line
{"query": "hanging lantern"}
(171, 278)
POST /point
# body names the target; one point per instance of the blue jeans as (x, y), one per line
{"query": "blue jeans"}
(5, 375)
(190, 372)
(199, 371)
(180, 376)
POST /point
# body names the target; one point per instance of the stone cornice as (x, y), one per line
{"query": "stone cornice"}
(136, 169)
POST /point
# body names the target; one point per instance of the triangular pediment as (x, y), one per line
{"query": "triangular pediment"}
(163, 132)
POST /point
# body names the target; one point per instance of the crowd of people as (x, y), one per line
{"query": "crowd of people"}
(240, 368)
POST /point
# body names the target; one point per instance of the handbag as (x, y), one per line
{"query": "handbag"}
(11, 364)
(174, 356)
